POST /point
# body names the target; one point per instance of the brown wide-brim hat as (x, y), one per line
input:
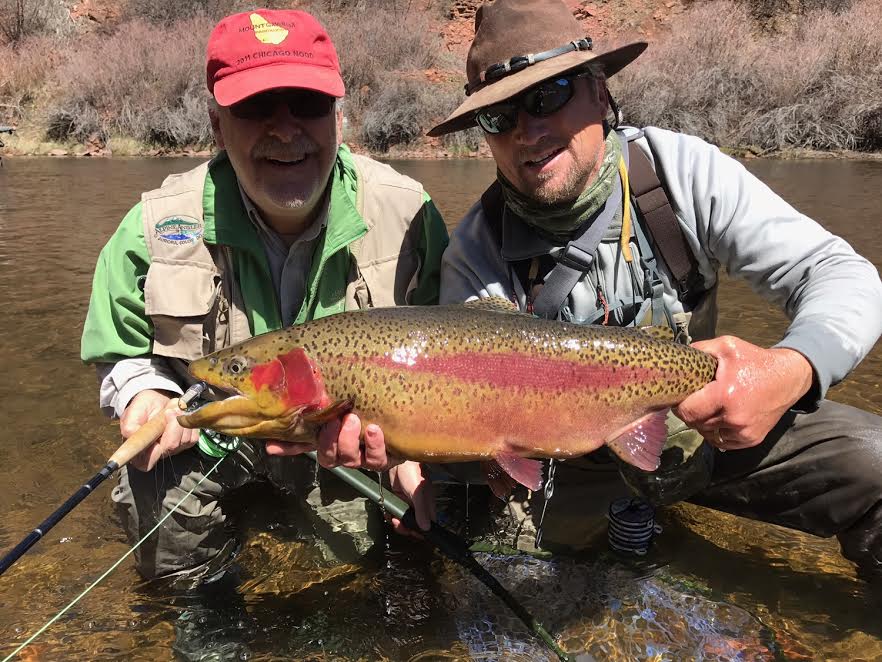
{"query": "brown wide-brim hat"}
(519, 43)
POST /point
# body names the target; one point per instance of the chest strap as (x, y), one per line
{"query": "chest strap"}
(651, 199)
(576, 259)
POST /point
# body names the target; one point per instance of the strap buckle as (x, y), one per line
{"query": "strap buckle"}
(574, 257)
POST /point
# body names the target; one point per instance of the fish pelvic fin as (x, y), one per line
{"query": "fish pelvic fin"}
(641, 442)
(329, 413)
(507, 470)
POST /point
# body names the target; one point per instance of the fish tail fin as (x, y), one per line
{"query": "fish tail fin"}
(508, 469)
(641, 442)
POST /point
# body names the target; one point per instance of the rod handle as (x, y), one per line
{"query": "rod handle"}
(146, 435)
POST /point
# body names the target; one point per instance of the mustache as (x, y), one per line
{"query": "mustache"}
(536, 152)
(273, 148)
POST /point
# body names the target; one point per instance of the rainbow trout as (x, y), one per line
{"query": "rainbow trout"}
(479, 381)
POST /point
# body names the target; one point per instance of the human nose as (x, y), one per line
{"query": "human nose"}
(282, 123)
(529, 130)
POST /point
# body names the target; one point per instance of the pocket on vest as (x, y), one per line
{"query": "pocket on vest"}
(178, 297)
(391, 281)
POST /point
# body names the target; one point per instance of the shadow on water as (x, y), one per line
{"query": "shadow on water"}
(727, 588)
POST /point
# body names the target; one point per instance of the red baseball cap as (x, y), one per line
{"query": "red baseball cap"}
(265, 49)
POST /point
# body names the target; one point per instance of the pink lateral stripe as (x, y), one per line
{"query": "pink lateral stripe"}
(516, 370)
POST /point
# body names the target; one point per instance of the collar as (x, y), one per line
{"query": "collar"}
(272, 237)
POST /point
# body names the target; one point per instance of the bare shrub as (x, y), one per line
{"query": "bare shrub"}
(141, 81)
(20, 19)
(372, 41)
(399, 114)
(168, 12)
(816, 85)
(23, 73)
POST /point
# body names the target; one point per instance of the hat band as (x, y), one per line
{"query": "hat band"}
(519, 62)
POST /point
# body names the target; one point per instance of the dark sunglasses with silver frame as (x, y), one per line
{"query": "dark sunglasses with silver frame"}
(541, 100)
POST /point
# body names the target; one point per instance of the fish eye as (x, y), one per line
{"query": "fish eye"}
(236, 365)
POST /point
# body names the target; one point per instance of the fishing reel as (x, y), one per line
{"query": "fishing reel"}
(631, 525)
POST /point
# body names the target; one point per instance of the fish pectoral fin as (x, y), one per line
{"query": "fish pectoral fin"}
(507, 469)
(329, 413)
(501, 484)
(641, 442)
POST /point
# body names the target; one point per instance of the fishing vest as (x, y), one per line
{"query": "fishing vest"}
(658, 239)
(196, 307)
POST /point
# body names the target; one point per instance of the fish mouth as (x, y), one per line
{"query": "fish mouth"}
(240, 416)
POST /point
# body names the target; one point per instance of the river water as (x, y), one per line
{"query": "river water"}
(728, 588)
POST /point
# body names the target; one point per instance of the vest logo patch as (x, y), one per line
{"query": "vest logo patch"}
(179, 230)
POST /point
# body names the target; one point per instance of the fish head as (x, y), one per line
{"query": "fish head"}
(271, 389)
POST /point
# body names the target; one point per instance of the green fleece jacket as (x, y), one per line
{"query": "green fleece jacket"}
(117, 327)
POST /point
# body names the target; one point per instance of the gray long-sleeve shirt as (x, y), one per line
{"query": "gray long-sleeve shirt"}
(832, 295)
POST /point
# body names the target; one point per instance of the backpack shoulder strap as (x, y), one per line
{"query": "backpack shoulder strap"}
(652, 200)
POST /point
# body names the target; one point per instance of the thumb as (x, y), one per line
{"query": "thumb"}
(701, 406)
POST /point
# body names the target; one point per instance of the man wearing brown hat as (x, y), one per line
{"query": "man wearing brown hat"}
(283, 226)
(599, 225)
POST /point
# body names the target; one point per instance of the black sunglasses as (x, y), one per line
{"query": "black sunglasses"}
(301, 103)
(541, 100)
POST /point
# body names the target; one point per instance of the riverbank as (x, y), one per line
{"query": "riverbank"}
(17, 146)
(803, 80)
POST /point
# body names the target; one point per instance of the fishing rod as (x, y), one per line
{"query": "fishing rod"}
(146, 435)
(448, 543)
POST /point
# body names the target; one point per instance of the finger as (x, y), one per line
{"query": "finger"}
(375, 449)
(139, 461)
(148, 458)
(327, 443)
(171, 438)
(349, 442)
(399, 528)
(702, 409)
(287, 448)
(424, 505)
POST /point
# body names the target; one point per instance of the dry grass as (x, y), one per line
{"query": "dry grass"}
(814, 81)
(817, 85)
(141, 81)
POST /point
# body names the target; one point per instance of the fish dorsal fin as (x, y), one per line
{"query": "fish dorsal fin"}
(495, 304)
(664, 333)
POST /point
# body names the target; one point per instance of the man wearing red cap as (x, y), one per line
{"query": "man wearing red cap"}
(594, 224)
(284, 225)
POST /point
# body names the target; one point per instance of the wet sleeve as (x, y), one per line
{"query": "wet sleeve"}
(832, 295)
(116, 326)
(433, 242)
(121, 381)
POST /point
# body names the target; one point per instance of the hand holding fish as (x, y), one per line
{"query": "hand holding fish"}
(173, 440)
(751, 391)
(410, 484)
(340, 445)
